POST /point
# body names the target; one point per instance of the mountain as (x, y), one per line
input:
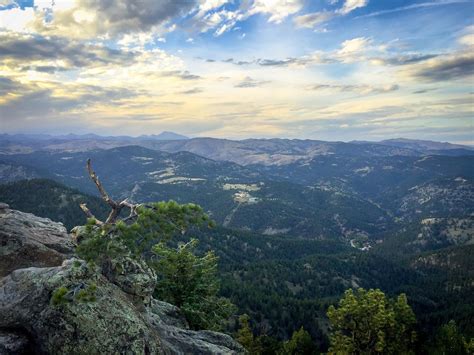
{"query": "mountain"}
(275, 151)
(245, 152)
(165, 136)
(235, 196)
(27, 143)
(424, 145)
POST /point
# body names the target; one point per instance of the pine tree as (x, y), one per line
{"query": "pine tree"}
(190, 282)
(299, 344)
(367, 322)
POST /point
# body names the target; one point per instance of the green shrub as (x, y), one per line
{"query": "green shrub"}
(57, 297)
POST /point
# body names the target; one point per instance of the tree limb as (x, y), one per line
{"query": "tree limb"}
(116, 207)
(89, 214)
(97, 183)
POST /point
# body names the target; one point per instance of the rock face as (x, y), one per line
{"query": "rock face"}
(27, 240)
(68, 325)
(76, 308)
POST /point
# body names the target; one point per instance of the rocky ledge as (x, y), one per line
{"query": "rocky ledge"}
(74, 308)
(27, 240)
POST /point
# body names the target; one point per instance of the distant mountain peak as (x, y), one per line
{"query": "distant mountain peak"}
(166, 136)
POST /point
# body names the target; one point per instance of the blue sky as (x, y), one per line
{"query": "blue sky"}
(322, 69)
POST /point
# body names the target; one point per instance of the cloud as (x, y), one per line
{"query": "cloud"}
(277, 9)
(249, 82)
(414, 6)
(351, 50)
(22, 48)
(8, 86)
(35, 101)
(208, 5)
(424, 91)
(191, 91)
(89, 18)
(314, 19)
(402, 59)
(351, 5)
(184, 75)
(361, 89)
(443, 68)
(276, 62)
(466, 38)
(222, 21)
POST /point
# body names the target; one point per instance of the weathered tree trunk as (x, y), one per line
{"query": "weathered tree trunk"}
(116, 207)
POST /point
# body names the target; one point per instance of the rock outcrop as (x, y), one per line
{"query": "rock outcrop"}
(27, 240)
(76, 308)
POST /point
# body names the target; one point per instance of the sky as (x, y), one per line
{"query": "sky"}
(310, 69)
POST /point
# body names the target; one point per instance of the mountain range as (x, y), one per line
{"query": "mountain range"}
(299, 221)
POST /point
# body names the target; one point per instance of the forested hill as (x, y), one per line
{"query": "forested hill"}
(47, 198)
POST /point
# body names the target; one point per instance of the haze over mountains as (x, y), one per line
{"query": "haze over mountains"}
(248, 151)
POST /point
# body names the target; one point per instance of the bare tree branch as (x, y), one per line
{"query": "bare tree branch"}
(116, 207)
(95, 179)
(89, 214)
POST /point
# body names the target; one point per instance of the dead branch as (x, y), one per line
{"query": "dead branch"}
(116, 207)
(97, 183)
(89, 214)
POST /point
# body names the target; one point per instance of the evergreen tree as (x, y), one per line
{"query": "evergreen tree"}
(299, 344)
(450, 341)
(367, 322)
(191, 283)
(245, 335)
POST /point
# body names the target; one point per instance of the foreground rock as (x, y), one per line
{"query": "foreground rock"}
(27, 240)
(75, 308)
(94, 316)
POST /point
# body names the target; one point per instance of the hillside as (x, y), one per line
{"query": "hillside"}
(47, 198)
(235, 196)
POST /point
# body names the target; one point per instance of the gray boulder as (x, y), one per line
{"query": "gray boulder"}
(178, 339)
(46, 304)
(74, 309)
(27, 240)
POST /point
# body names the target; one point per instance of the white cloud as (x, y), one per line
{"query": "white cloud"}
(313, 19)
(208, 5)
(467, 37)
(351, 5)
(277, 9)
(16, 19)
(354, 46)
